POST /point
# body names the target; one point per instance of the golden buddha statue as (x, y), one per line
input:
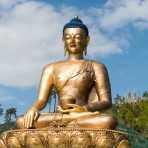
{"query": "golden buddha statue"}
(82, 86)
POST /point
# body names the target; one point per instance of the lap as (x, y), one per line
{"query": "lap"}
(83, 119)
(95, 121)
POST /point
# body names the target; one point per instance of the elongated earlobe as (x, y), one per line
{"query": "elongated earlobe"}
(85, 51)
(65, 51)
(88, 39)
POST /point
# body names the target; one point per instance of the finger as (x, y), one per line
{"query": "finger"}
(58, 108)
(27, 121)
(64, 111)
(24, 120)
(72, 105)
(67, 110)
(72, 110)
(97, 112)
(36, 115)
(31, 121)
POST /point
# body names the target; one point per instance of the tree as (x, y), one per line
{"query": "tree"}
(1, 110)
(129, 94)
(134, 115)
(145, 94)
(117, 99)
(9, 113)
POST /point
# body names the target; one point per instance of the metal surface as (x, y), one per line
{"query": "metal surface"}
(82, 86)
(83, 117)
(65, 138)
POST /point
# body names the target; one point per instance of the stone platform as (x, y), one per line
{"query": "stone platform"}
(64, 138)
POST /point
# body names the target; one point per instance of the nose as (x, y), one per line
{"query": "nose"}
(72, 42)
(72, 39)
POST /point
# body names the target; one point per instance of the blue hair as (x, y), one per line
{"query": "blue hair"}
(76, 23)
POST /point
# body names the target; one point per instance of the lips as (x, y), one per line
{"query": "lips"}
(72, 45)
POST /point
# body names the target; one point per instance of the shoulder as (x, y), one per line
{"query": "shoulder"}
(49, 68)
(98, 65)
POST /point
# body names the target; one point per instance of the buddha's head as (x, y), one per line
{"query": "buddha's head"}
(75, 37)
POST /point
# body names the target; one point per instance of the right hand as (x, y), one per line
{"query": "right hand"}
(30, 117)
(72, 108)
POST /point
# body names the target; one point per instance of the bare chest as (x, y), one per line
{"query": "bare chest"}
(74, 75)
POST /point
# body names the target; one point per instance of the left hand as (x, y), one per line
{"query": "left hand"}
(72, 108)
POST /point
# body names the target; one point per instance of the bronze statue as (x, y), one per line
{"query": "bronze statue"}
(83, 118)
(82, 86)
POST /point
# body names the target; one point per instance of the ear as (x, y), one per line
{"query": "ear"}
(88, 39)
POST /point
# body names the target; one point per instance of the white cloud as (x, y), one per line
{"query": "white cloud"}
(6, 4)
(102, 44)
(7, 98)
(141, 25)
(117, 14)
(30, 37)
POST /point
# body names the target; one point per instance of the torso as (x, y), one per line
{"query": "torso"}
(73, 81)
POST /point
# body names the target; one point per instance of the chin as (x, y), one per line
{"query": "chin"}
(74, 50)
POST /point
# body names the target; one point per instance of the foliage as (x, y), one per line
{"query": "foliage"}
(136, 140)
(1, 110)
(9, 113)
(7, 126)
(145, 94)
(134, 115)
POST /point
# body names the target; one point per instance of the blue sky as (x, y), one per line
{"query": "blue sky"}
(30, 37)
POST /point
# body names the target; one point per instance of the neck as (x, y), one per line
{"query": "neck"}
(74, 57)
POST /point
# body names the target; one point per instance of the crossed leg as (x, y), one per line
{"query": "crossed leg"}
(83, 120)
(101, 121)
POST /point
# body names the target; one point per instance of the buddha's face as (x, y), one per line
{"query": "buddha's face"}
(75, 40)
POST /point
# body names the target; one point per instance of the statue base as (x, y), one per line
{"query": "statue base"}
(64, 138)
